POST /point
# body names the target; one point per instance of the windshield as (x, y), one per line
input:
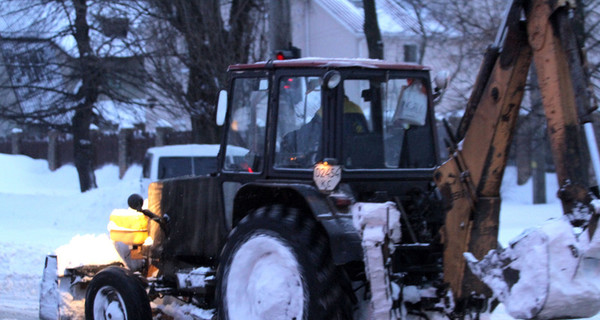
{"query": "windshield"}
(299, 122)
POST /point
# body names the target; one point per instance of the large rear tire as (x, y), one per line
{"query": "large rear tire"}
(116, 293)
(277, 264)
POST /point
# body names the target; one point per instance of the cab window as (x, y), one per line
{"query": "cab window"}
(247, 125)
(385, 124)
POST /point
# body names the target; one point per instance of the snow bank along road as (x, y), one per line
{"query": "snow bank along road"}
(42, 210)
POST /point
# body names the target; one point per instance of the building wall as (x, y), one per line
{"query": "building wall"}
(394, 47)
(327, 37)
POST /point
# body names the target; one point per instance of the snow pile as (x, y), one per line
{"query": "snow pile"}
(28, 176)
(547, 273)
(48, 298)
(41, 211)
(179, 310)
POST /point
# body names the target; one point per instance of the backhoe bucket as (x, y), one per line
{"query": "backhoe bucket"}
(546, 273)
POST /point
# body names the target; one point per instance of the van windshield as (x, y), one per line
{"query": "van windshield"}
(172, 167)
(204, 165)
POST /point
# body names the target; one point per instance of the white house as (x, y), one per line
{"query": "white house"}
(334, 28)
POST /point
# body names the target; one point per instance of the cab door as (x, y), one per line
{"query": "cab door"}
(242, 158)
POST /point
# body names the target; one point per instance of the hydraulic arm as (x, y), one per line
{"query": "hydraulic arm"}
(470, 180)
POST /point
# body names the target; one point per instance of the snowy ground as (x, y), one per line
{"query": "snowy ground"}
(42, 210)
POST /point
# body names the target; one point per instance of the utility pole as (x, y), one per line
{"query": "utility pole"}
(280, 32)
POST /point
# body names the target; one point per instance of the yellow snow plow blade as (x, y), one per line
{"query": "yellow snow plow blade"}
(546, 273)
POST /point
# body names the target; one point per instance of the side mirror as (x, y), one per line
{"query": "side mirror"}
(221, 107)
(441, 80)
(135, 202)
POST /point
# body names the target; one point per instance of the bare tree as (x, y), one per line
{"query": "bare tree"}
(372, 32)
(586, 22)
(91, 54)
(196, 40)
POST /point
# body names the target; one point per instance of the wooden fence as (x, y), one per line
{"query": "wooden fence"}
(123, 148)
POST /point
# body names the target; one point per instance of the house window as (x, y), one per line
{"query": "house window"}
(27, 66)
(410, 53)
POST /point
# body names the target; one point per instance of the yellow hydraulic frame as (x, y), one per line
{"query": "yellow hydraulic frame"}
(470, 179)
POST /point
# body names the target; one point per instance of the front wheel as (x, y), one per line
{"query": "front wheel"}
(115, 293)
(277, 265)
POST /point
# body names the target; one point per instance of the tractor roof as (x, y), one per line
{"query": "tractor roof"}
(329, 63)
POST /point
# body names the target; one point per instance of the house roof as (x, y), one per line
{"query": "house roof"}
(345, 12)
(394, 18)
(391, 17)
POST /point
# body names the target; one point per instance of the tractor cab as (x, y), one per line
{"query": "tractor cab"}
(371, 118)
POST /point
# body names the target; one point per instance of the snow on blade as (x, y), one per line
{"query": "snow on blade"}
(87, 250)
(547, 273)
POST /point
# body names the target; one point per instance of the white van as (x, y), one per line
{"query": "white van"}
(174, 161)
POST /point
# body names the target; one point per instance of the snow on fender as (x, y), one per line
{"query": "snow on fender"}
(547, 273)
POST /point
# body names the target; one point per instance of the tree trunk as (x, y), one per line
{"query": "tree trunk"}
(83, 153)
(372, 33)
(205, 131)
(538, 140)
(90, 81)
(523, 149)
(539, 170)
(211, 47)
